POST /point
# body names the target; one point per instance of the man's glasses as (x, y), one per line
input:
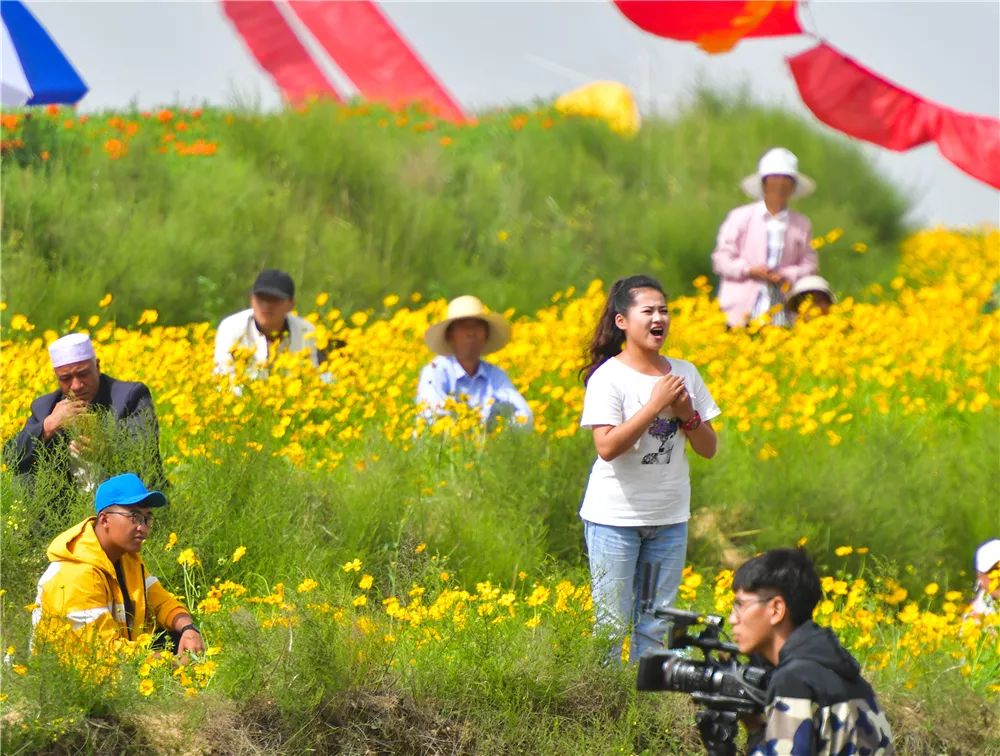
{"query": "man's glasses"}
(740, 606)
(137, 518)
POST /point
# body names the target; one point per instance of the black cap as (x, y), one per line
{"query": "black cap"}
(275, 282)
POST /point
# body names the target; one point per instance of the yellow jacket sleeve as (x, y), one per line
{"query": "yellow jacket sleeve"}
(163, 606)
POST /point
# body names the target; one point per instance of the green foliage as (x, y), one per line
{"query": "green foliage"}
(350, 202)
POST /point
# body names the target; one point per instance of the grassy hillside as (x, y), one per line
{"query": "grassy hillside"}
(177, 210)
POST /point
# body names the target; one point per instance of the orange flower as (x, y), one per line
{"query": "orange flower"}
(445, 141)
(115, 148)
(52, 110)
(518, 121)
(164, 116)
(10, 120)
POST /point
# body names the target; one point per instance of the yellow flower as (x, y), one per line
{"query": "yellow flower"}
(307, 585)
(802, 542)
(146, 687)
(843, 551)
(366, 582)
(105, 300)
(444, 577)
(391, 301)
(352, 566)
(20, 669)
(322, 298)
(533, 622)
(931, 589)
(171, 542)
(360, 600)
(238, 554)
(421, 548)
(188, 558)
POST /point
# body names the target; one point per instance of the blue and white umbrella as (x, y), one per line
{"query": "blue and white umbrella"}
(35, 71)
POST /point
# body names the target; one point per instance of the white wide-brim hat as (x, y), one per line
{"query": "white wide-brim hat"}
(988, 555)
(777, 162)
(468, 307)
(808, 285)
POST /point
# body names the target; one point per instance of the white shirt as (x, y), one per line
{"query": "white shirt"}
(770, 295)
(648, 484)
(239, 331)
(489, 389)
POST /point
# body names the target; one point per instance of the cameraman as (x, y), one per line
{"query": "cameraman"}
(817, 700)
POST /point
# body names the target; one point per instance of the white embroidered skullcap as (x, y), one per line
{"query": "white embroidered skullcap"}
(76, 347)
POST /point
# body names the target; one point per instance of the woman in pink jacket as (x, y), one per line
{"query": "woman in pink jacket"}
(763, 248)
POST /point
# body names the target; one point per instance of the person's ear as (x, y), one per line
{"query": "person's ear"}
(97, 364)
(620, 321)
(779, 610)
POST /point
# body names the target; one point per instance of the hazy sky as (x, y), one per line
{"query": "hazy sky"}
(494, 53)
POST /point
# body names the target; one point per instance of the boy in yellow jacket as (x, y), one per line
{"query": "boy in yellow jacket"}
(96, 580)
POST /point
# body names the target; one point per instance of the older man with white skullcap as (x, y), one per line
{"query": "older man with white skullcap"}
(82, 388)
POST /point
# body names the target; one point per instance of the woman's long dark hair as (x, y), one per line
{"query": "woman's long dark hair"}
(608, 337)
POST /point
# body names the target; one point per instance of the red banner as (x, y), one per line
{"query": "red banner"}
(858, 102)
(278, 50)
(715, 26)
(373, 55)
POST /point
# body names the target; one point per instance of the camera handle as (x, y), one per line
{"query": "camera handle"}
(718, 731)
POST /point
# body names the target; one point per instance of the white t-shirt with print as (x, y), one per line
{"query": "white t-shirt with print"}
(648, 484)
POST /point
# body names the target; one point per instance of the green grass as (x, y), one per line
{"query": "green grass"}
(352, 204)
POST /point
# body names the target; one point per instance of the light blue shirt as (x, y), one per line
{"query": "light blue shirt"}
(489, 389)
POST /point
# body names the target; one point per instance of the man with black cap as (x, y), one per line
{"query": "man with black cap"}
(268, 327)
(97, 582)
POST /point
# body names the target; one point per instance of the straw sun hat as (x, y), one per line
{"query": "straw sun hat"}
(777, 162)
(468, 307)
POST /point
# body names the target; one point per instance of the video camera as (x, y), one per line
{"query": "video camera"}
(722, 686)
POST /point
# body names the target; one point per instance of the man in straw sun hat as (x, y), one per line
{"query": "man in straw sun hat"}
(83, 388)
(763, 248)
(467, 333)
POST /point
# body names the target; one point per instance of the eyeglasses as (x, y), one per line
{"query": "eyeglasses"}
(137, 518)
(740, 606)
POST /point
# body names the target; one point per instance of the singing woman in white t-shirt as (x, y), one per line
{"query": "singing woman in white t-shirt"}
(643, 408)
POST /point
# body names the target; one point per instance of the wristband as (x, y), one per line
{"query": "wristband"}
(692, 422)
(189, 626)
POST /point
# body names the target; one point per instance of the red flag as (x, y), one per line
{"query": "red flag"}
(715, 26)
(858, 102)
(373, 55)
(278, 50)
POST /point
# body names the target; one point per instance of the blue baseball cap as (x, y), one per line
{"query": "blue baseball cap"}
(126, 491)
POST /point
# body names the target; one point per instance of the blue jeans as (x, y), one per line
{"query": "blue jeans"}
(617, 558)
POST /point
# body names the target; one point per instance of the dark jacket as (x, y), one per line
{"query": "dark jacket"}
(127, 401)
(818, 702)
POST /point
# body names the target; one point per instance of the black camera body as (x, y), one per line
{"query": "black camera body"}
(724, 687)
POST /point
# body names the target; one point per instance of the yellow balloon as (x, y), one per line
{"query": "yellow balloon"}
(607, 100)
